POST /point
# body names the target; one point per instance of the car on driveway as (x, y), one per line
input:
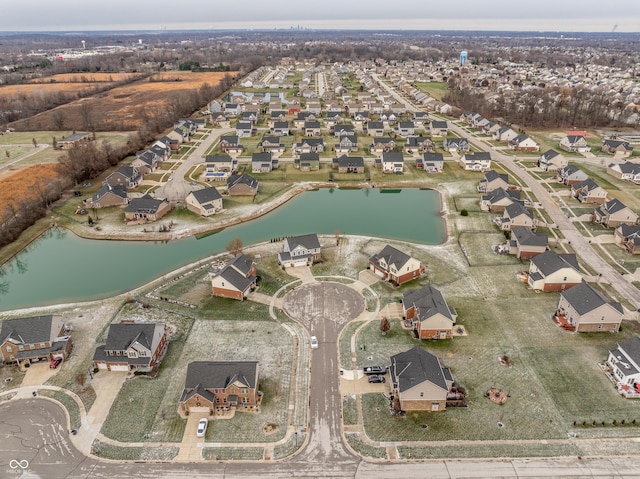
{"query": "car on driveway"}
(54, 363)
(376, 379)
(374, 370)
(202, 427)
(314, 342)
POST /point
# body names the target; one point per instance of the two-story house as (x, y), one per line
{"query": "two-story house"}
(132, 347)
(303, 250)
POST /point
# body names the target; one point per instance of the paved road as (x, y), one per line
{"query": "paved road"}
(178, 188)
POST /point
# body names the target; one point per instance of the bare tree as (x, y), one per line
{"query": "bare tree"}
(235, 246)
(385, 325)
(336, 233)
(58, 119)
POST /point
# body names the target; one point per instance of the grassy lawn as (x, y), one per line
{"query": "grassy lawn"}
(364, 448)
(435, 89)
(629, 261)
(233, 453)
(349, 411)
(477, 247)
(68, 403)
(116, 453)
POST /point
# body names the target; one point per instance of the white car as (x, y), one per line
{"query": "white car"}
(314, 342)
(202, 427)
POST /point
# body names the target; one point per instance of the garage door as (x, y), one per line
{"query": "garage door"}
(119, 367)
(300, 262)
(102, 365)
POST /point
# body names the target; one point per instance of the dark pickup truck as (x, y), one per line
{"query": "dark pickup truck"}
(375, 370)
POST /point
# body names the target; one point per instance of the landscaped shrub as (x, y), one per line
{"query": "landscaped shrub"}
(464, 212)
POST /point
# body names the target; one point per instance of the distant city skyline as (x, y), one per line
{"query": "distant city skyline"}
(542, 15)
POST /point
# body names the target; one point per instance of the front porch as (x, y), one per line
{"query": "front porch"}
(562, 322)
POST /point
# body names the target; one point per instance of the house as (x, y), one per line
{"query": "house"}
(551, 160)
(618, 148)
(375, 128)
(171, 142)
(588, 191)
(72, 140)
(392, 162)
(406, 128)
(308, 145)
(347, 143)
(307, 162)
(395, 266)
(570, 175)
(479, 161)
(349, 164)
(430, 162)
(146, 209)
(614, 213)
(526, 244)
(312, 128)
(624, 365)
(216, 164)
(271, 144)
(236, 280)
(586, 310)
(505, 134)
(301, 250)
(241, 184)
(333, 118)
(383, 144)
(180, 135)
(419, 380)
(430, 315)
(342, 130)
(231, 145)
(108, 196)
(276, 116)
(220, 386)
(263, 162)
(204, 202)
(439, 128)
(421, 118)
(625, 171)
(280, 128)
(244, 129)
(455, 145)
(492, 181)
(515, 215)
(250, 117)
(523, 143)
(303, 117)
(419, 144)
(132, 347)
(498, 199)
(146, 161)
(575, 143)
(38, 338)
(127, 176)
(628, 237)
(551, 271)
(232, 109)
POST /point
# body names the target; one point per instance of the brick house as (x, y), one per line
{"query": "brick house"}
(146, 209)
(587, 310)
(430, 315)
(132, 347)
(395, 266)
(526, 244)
(551, 271)
(614, 213)
(108, 196)
(236, 280)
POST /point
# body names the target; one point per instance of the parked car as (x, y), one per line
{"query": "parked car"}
(54, 363)
(375, 370)
(314, 342)
(202, 427)
(376, 379)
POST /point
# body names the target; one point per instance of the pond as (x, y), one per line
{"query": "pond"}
(60, 267)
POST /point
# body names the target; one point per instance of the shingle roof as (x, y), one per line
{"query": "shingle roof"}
(631, 347)
(236, 179)
(516, 209)
(237, 280)
(526, 237)
(428, 302)
(122, 335)
(206, 195)
(221, 374)
(118, 190)
(345, 161)
(494, 175)
(145, 204)
(392, 156)
(35, 329)
(413, 367)
(242, 263)
(309, 241)
(584, 298)
(549, 262)
(391, 256)
(218, 159)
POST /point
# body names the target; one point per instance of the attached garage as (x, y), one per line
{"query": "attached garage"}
(118, 367)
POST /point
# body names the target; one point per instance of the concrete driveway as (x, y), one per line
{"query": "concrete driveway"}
(191, 445)
(107, 385)
(39, 373)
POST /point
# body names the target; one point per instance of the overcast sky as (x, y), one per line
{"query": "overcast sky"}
(535, 15)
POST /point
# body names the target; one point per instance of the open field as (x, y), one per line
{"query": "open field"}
(435, 89)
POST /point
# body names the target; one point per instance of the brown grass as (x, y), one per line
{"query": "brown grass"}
(83, 78)
(34, 89)
(22, 183)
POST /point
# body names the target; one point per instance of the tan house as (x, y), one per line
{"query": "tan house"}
(551, 160)
(108, 196)
(515, 215)
(628, 237)
(302, 250)
(614, 213)
(395, 266)
(588, 191)
(526, 244)
(236, 280)
(497, 200)
(242, 184)
(220, 386)
(38, 338)
(492, 181)
(419, 381)
(146, 209)
(523, 143)
(551, 271)
(204, 202)
(72, 140)
(430, 315)
(575, 143)
(625, 171)
(619, 148)
(132, 347)
(586, 310)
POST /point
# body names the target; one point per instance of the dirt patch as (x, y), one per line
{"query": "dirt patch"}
(270, 428)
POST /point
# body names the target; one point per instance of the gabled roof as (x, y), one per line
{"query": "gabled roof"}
(628, 230)
(383, 140)
(428, 302)
(491, 175)
(242, 263)
(118, 190)
(414, 367)
(375, 125)
(309, 241)
(122, 335)
(432, 157)
(610, 207)
(583, 298)
(574, 138)
(35, 329)
(392, 157)
(500, 193)
(524, 236)
(218, 159)
(221, 374)
(616, 143)
(145, 204)
(312, 156)
(234, 278)
(549, 262)
(628, 168)
(391, 256)
(242, 179)
(261, 157)
(206, 195)
(231, 139)
(281, 125)
(439, 124)
(589, 184)
(516, 209)
(349, 161)
(550, 154)
(417, 140)
(631, 348)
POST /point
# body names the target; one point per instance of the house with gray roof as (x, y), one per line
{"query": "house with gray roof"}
(230, 144)
(220, 387)
(492, 181)
(302, 250)
(624, 367)
(132, 347)
(375, 128)
(588, 191)
(628, 237)
(204, 202)
(456, 145)
(395, 266)
(24, 341)
(584, 309)
(551, 160)
(127, 176)
(382, 144)
(498, 199)
(523, 143)
(429, 314)
(625, 171)
(146, 161)
(215, 165)
(108, 196)
(419, 380)
(478, 161)
(146, 209)
(72, 140)
(570, 175)
(439, 128)
(614, 213)
(280, 128)
(307, 162)
(620, 148)
(430, 162)
(551, 271)
(575, 144)
(526, 244)
(392, 162)
(241, 184)
(418, 144)
(236, 280)
(348, 164)
(515, 215)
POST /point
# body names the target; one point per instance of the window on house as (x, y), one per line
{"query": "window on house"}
(21, 347)
(421, 394)
(9, 349)
(43, 345)
(245, 391)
